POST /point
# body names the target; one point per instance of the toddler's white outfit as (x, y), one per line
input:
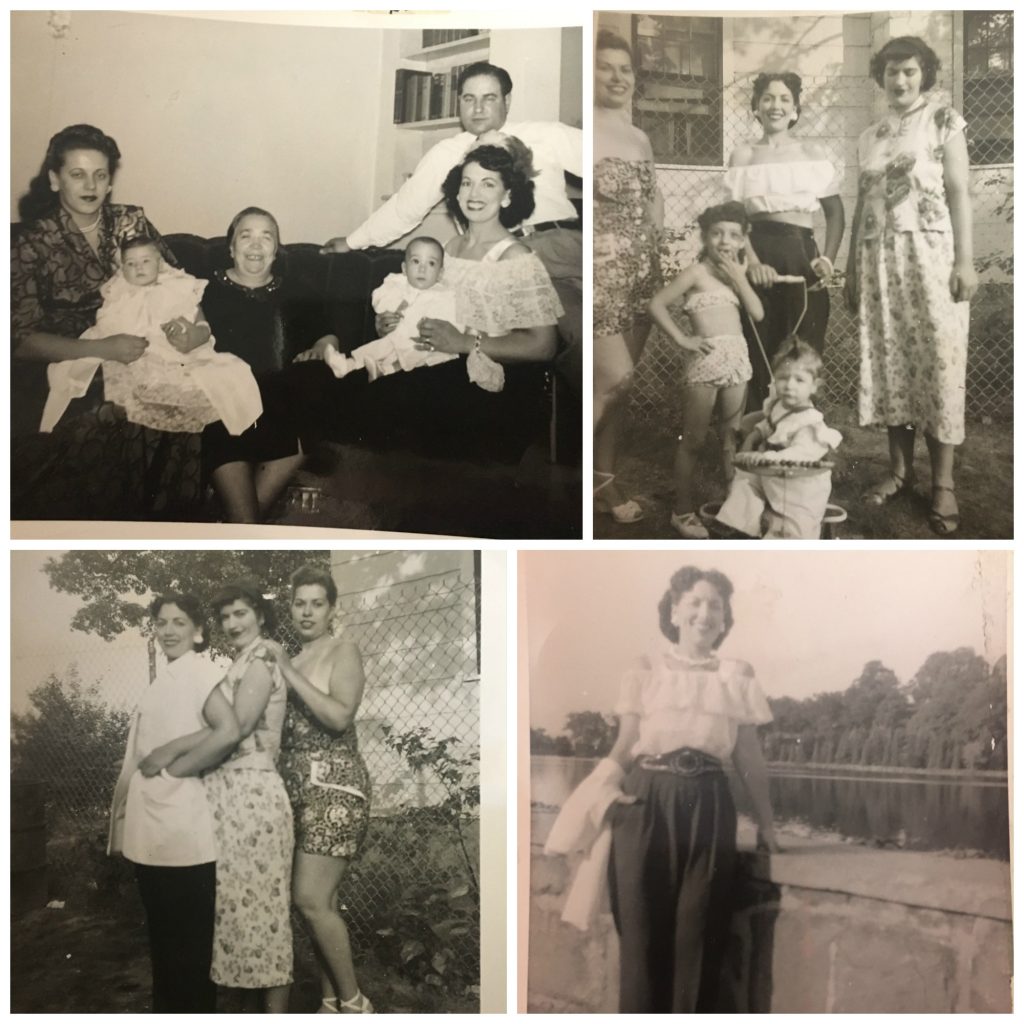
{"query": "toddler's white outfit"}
(163, 389)
(793, 505)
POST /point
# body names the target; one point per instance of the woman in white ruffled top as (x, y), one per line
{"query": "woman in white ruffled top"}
(658, 808)
(782, 182)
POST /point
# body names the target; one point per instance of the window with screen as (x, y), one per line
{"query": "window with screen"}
(988, 86)
(679, 87)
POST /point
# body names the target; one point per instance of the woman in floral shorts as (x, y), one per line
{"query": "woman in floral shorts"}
(326, 778)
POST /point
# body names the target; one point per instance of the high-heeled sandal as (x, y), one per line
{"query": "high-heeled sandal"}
(884, 491)
(329, 1004)
(629, 511)
(943, 524)
(689, 526)
(357, 1004)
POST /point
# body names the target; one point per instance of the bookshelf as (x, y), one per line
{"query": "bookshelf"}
(429, 65)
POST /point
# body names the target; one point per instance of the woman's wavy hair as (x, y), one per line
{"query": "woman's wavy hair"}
(682, 582)
(40, 200)
(280, 256)
(790, 79)
(906, 48)
(249, 592)
(732, 211)
(190, 605)
(314, 576)
(609, 40)
(513, 162)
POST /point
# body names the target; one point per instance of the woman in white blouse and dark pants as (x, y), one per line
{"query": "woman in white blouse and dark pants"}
(161, 821)
(782, 181)
(664, 798)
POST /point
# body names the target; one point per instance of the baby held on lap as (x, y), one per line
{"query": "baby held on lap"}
(416, 293)
(164, 388)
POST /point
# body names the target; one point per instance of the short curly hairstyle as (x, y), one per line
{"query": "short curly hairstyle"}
(190, 605)
(906, 48)
(315, 576)
(40, 200)
(731, 211)
(790, 79)
(681, 583)
(250, 593)
(513, 162)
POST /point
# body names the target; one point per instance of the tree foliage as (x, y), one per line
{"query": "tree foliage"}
(116, 586)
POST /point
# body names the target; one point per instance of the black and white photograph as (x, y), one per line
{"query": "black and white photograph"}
(304, 270)
(765, 782)
(803, 275)
(250, 781)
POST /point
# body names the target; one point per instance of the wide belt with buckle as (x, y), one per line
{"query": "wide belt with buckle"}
(685, 761)
(525, 230)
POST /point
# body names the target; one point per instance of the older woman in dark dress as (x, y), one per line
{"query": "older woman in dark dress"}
(95, 465)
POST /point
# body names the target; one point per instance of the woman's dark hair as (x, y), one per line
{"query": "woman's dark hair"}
(790, 79)
(906, 48)
(609, 40)
(683, 582)
(256, 211)
(190, 605)
(731, 211)
(514, 163)
(40, 199)
(249, 592)
(314, 576)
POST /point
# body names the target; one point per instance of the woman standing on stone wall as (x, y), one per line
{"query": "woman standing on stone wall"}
(659, 810)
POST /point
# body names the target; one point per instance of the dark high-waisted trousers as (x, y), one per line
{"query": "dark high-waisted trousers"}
(179, 906)
(670, 879)
(789, 249)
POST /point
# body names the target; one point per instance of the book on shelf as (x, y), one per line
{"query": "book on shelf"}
(437, 36)
(426, 95)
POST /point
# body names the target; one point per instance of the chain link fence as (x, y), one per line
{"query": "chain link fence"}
(695, 107)
(412, 895)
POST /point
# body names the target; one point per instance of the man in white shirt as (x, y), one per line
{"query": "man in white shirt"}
(553, 230)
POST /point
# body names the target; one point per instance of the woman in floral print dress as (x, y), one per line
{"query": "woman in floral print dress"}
(326, 779)
(911, 275)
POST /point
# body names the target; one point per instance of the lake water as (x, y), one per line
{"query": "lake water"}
(913, 813)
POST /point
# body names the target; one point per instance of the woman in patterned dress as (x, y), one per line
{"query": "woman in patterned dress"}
(95, 464)
(252, 946)
(911, 275)
(628, 214)
(326, 779)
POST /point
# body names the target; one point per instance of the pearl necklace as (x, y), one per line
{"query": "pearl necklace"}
(92, 227)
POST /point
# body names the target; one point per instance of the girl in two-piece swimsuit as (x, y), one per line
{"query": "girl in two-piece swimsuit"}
(717, 367)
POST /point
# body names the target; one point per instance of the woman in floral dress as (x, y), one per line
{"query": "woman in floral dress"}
(911, 275)
(252, 947)
(326, 779)
(627, 222)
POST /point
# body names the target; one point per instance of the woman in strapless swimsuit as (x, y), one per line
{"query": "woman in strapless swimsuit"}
(717, 367)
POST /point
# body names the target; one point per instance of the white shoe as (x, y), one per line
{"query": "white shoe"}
(630, 511)
(689, 526)
(357, 1004)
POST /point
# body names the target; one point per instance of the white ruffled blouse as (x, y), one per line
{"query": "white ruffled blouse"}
(797, 186)
(698, 704)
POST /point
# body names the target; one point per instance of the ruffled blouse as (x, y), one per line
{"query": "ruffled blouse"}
(683, 703)
(794, 187)
(499, 296)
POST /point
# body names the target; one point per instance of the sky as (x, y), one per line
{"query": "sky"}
(808, 621)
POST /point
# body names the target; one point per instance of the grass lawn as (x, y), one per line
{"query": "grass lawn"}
(984, 475)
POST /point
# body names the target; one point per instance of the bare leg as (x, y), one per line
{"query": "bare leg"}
(271, 478)
(275, 1000)
(944, 517)
(236, 489)
(698, 405)
(315, 881)
(731, 401)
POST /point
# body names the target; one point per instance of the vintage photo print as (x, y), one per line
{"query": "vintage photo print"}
(803, 275)
(330, 277)
(251, 781)
(765, 782)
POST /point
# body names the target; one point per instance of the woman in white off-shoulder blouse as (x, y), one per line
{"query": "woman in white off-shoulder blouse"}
(663, 793)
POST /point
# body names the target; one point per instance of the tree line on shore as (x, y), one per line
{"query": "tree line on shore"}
(952, 714)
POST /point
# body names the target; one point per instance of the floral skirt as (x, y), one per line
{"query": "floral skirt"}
(913, 336)
(252, 942)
